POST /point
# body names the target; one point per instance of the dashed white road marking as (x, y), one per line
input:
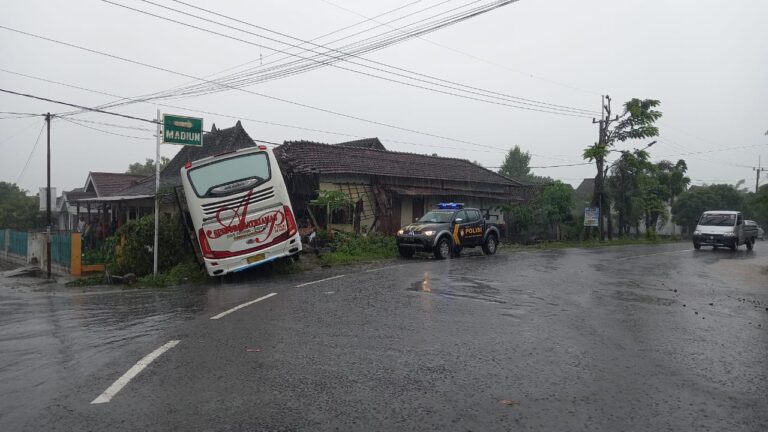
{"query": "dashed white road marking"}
(238, 307)
(318, 281)
(658, 253)
(118, 385)
(385, 268)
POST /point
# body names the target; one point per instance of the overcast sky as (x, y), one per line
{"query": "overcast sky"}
(707, 61)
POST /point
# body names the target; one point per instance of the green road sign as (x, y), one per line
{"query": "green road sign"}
(182, 130)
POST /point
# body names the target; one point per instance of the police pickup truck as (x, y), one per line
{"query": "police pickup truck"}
(446, 230)
(724, 228)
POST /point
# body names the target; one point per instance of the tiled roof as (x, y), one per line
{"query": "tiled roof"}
(585, 190)
(371, 143)
(107, 184)
(214, 142)
(307, 156)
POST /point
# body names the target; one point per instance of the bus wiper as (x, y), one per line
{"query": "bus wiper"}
(238, 185)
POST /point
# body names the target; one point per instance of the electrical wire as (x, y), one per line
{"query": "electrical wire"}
(274, 98)
(31, 153)
(521, 100)
(77, 106)
(472, 56)
(550, 109)
(236, 117)
(18, 131)
(77, 123)
(260, 59)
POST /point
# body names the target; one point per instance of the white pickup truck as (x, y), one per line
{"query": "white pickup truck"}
(724, 228)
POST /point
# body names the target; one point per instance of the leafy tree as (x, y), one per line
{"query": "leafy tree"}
(692, 203)
(331, 200)
(148, 167)
(516, 164)
(556, 204)
(17, 209)
(636, 122)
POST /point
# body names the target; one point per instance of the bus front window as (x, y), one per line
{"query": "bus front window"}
(230, 175)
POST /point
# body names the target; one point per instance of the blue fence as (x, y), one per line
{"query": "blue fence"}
(18, 245)
(61, 249)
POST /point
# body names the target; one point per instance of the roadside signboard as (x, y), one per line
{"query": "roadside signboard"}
(591, 216)
(182, 130)
(43, 198)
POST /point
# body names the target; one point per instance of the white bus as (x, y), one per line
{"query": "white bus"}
(240, 210)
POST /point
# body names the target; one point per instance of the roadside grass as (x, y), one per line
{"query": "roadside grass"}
(593, 243)
(349, 249)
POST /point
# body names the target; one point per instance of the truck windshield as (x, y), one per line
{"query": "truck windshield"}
(436, 216)
(230, 175)
(718, 220)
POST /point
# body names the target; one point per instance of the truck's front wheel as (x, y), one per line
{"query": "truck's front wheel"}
(750, 244)
(443, 248)
(697, 246)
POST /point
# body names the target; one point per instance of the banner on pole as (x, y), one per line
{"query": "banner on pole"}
(591, 216)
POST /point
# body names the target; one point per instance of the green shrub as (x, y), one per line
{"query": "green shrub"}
(348, 248)
(134, 241)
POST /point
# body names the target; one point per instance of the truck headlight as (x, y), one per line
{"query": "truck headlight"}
(428, 233)
(697, 232)
(400, 232)
(728, 234)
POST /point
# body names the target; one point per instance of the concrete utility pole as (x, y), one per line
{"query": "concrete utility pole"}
(757, 172)
(48, 201)
(157, 194)
(600, 160)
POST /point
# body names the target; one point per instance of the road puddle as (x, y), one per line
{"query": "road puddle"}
(460, 287)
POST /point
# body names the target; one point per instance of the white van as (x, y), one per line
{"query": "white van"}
(239, 206)
(724, 228)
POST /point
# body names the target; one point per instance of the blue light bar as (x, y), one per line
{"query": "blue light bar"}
(450, 206)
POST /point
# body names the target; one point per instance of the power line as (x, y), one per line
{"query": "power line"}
(29, 158)
(75, 122)
(519, 99)
(273, 53)
(77, 106)
(18, 131)
(551, 109)
(236, 117)
(290, 102)
(472, 56)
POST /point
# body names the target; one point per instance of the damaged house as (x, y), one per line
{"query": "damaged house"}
(390, 189)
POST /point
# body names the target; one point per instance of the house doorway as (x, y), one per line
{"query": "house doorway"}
(418, 208)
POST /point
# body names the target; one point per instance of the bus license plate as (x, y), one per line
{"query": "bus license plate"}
(255, 258)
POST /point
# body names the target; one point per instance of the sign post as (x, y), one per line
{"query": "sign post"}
(176, 130)
(182, 130)
(591, 216)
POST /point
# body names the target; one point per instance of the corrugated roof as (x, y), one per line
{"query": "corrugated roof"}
(307, 156)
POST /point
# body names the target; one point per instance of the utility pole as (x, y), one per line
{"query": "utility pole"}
(600, 160)
(157, 194)
(757, 172)
(48, 201)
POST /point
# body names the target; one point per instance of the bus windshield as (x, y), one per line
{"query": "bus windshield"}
(230, 175)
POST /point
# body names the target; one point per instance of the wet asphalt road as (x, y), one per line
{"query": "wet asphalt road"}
(641, 338)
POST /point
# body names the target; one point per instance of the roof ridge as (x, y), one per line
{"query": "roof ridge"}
(407, 153)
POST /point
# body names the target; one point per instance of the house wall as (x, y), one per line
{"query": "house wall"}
(406, 210)
(360, 187)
